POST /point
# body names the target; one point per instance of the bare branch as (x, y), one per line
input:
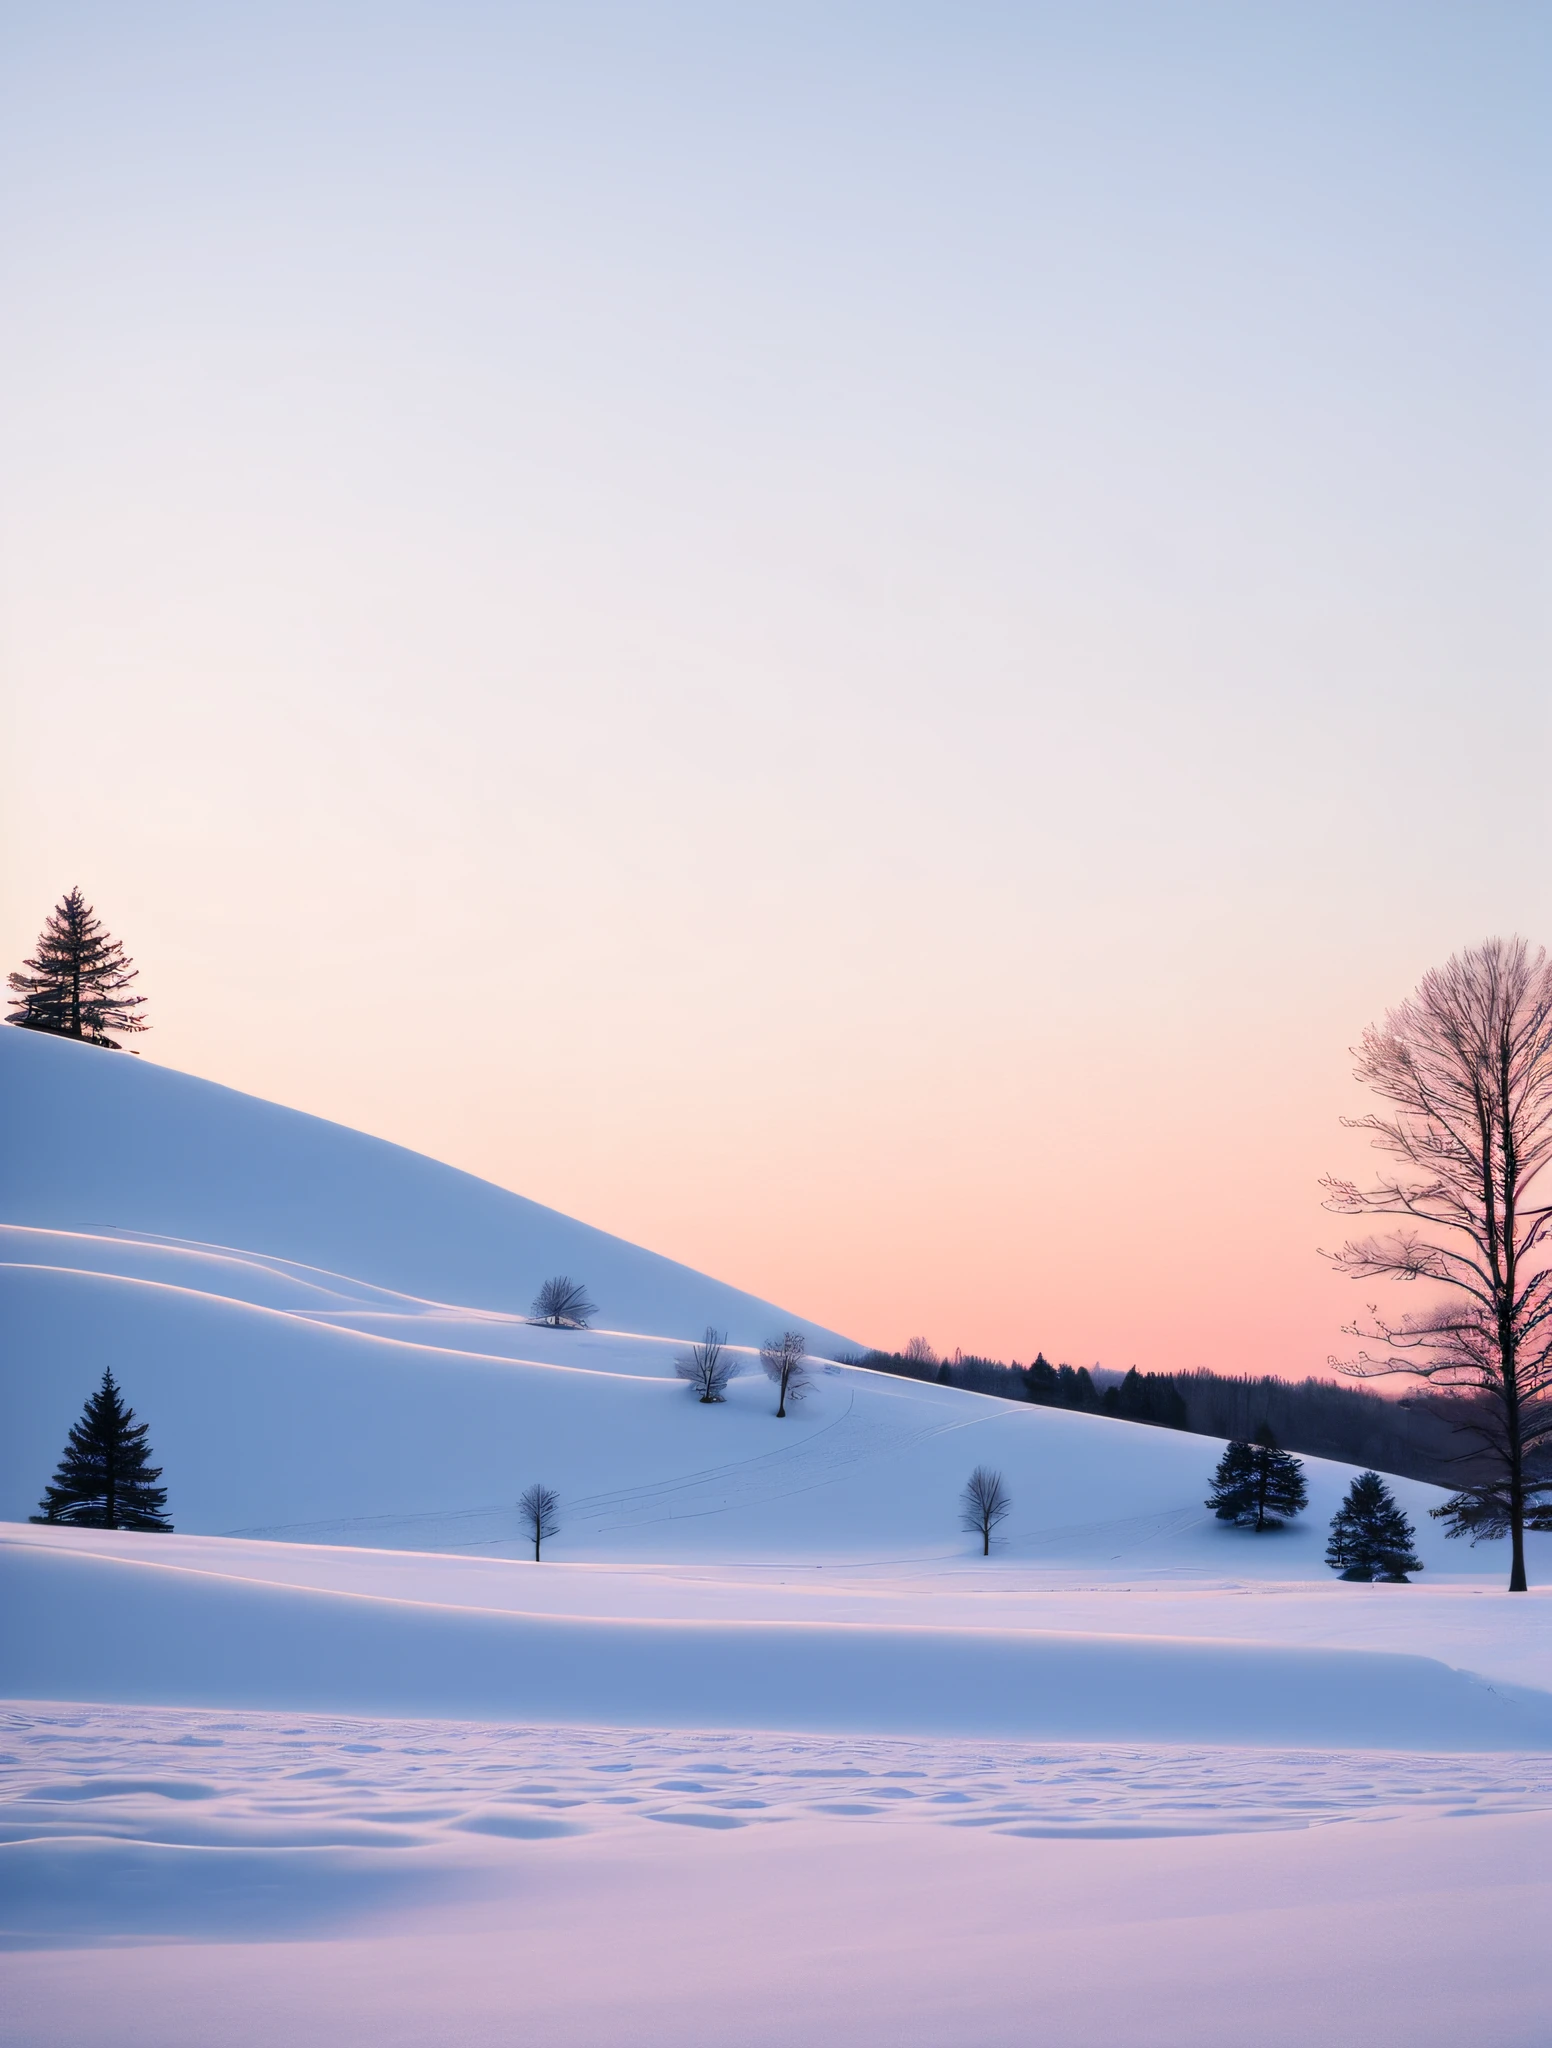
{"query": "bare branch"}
(708, 1366)
(1466, 1063)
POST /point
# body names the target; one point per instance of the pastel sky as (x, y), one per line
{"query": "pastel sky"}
(853, 640)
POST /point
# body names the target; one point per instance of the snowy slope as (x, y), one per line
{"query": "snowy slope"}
(291, 1394)
(95, 1139)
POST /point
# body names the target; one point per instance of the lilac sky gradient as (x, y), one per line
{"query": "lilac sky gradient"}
(853, 641)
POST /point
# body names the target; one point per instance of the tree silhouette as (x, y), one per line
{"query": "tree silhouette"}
(562, 1304)
(1256, 1485)
(77, 983)
(782, 1358)
(105, 1479)
(539, 1507)
(1466, 1063)
(708, 1366)
(983, 1504)
(1370, 1536)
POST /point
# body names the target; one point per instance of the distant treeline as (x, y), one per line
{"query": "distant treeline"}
(1417, 1438)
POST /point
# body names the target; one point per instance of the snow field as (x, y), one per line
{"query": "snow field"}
(762, 1752)
(87, 1624)
(229, 1881)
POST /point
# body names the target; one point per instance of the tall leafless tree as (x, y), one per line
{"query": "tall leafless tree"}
(919, 1352)
(983, 1504)
(1466, 1063)
(783, 1360)
(562, 1304)
(708, 1366)
(539, 1507)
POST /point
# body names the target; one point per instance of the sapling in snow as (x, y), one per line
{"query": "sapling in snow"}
(562, 1304)
(783, 1360)
(1370, 1536)
(540, 1510)
(983, 1504)
(1256, 1485)
(708, 1366)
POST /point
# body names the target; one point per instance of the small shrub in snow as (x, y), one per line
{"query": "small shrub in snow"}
(562, 1304)
(540, 1510)
(708, 1366)
(105, 1479)
(1370, 1536)
(983, 1504)
(782, 1357)
(1256, 1485)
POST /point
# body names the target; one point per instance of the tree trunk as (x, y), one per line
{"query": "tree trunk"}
(986, 1539)
(1518, 1583)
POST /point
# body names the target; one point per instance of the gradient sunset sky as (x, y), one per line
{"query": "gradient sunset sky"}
(855, 641)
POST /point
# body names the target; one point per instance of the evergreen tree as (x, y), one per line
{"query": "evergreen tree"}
(1040, 1380)
(77, 985)
(1370, 1536)
(1076, 1389)
(1147, 1397)
(1256, 1485)
(104, 1479)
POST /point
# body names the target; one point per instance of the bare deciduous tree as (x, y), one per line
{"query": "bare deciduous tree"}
(983, 1504)
(540, 1510)
(562, 1304)
(708, 1366)
(920, 1352)
(783, 1360)
(1467, 1064)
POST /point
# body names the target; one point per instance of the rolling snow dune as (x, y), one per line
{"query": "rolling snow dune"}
(95, 1138)
(89, 1626)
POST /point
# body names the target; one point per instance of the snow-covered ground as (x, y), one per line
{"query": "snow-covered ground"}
(762, 1751)
(185, 1880)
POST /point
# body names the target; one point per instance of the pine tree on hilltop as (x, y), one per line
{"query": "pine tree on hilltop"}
(1256, 1485)
(78, 983)
(1370, 1536)
(104, 1479)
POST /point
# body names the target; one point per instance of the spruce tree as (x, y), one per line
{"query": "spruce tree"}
(1146, 1397)
(104, 1479)
(1256, 1485)
(77, 985)
(1040, 1380)
(1370, 1536)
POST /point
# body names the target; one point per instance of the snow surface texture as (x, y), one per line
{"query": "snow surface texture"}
(763, 1752)
(185, 1880)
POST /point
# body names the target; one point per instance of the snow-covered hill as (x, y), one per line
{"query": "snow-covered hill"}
(97, 1141)
(325, 1335)
(742, 1621)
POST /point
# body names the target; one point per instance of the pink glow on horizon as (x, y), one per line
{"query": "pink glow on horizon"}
(855, 649)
